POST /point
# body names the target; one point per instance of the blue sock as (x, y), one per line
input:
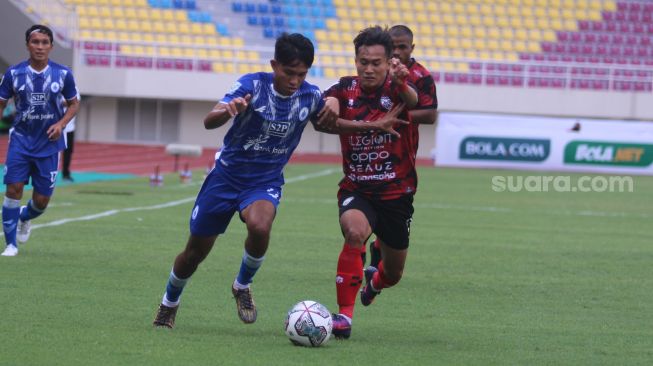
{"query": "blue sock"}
(248, 268)
(10, 214)
(30, 212)
(173, 290)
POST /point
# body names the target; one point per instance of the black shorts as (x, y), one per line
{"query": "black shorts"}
(390, 219)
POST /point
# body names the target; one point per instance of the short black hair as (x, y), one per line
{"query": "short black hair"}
(372, 36)
(41, 29)
(401, 30)
(291, 48)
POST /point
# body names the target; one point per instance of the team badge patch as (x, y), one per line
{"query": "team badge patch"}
(386, 102)
(55, 87)
(303, 114)
(347, 201)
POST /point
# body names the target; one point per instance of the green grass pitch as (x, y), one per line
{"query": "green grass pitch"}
(492, 278)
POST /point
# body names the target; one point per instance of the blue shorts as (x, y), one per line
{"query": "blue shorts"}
(218, 201)
(20, 167)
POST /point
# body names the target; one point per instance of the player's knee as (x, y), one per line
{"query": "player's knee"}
(354, 236)
(259, 228)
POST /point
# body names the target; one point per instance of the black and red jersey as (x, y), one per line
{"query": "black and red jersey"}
(427, 98)
(375, 163)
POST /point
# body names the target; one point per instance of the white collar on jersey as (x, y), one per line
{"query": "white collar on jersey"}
(38, 72)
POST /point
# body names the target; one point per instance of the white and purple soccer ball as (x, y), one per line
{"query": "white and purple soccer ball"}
(309, 324)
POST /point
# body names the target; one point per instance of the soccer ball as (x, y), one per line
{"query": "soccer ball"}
(309, 324)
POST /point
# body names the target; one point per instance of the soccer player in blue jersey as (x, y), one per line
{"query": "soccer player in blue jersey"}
(270, 112)
(37, 86)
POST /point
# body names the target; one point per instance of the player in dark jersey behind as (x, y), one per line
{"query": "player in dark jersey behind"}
(376, 193)
(426, 110)
(37, 86)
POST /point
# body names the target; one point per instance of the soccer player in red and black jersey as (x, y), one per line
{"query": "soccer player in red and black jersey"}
(426, 110)
(376, 193)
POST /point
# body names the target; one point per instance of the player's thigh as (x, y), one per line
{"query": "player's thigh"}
(17, 168)
(395, 217)
(214, 207)
(357, 216)
(44, 174)
(258, 207)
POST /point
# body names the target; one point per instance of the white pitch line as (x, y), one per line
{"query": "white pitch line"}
(161, 205)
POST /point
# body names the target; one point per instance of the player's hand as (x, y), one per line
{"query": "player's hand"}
(54, 132)
(398, 72)
(238, 105)
(388, 121)
(328, 116)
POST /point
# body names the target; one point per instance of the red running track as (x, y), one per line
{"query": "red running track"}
(142, 159)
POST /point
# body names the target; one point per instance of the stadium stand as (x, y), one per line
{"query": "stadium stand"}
(577, 44)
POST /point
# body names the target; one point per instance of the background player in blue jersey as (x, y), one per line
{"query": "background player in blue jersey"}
(271, 111)
(37, 86)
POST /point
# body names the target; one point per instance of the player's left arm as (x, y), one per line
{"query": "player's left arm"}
(399, 74)
(327, 118)
(70, 93)
(426, 111)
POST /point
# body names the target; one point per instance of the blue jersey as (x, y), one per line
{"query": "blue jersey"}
(37, 96)
(263, 137)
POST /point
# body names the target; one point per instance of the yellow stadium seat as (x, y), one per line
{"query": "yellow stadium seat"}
(183, 28)
(228, 54)
(489, 21)
(196, 28)
(513, 11)
(138, 50)
(366, 4)
(107, 24)
(98, 34)
(111, 36)
(215, 53)
(487, 10)
(133, 26)
(480, 32)
(84, 23)
(120, 25)
(346, 26)
(130, 13)
(440, 43)
(426, 42)
(506, 45)
(439, 30)
(208, 29)
(143, 14)
(189, 52)
(480, 44)
(168, 15)
(92, 11)
(117, 12)
(237, 42)
(161, 38)
(472, 54)
(186, 39)
(115, 3)
(549, 36)
(211, 41)
(526, 12)
(164, 51)
(199, 41)
(453, 43)
(529, 23)
(570, 25)
(225, 42)
(466, 43)
(448, 19)
(406, 5)
(177, 52)
(181, 16)
(136, 37)
(155, 14)
(173, 38)
(424, 29)
(520, 46)
(96, 23)
(217, 67)
(494, 33)
(485, 55)
(146, 27)
(540, 12)
(332, 23)
(148, 37)
(126, 49)
(202, 53)
(465, 31)
(420, 18)
(521, 34)
(453, 31)
(432, 6)
(535, 35)
(253, 56)
(556, 24)
(330, 73)
(81, 11)
(493, 44)
(475, 20)
(534, 47)
(105, 12)
(123, 37)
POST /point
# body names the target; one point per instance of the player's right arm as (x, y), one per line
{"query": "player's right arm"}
(223, 112)
(235, 101)
(386, 123)
(6, 91)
